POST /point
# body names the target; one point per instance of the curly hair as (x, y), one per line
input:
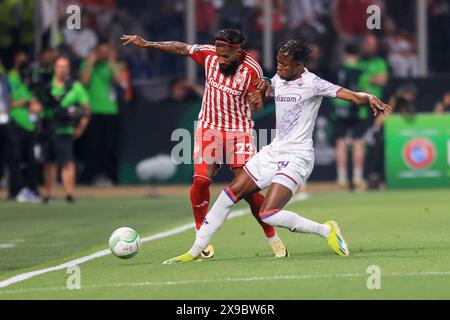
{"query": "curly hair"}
(296, 49)
(232, 36)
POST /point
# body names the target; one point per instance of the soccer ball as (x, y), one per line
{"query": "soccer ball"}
(124, 243)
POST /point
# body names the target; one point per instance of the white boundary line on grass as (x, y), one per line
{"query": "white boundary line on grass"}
(224, 280)
(6, 245)
(98, 254)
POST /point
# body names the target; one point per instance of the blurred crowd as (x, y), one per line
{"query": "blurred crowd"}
(65, 103)
(329, 24)
(52, 115)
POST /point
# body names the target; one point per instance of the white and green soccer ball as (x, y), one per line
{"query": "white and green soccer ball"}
(124, 243)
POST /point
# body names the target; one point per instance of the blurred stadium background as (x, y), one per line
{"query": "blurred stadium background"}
(159, 93)
(406, 62)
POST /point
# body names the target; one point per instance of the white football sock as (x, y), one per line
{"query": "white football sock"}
(296, 223)
(342, 175)
(357, 174)
(213, 221)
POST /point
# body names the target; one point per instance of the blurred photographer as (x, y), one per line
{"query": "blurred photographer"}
(68, 117)
(101, 74)
(443, 106)
(24, 116)
(5, 134)
(402, 104)
(41, 75)
(350, 121)
(404, 99)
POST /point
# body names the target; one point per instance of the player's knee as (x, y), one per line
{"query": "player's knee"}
(211, 170)
(201, 183)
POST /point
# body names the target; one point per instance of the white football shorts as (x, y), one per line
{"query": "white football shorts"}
(290, 170)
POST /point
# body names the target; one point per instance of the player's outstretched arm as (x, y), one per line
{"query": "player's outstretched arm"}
(173, 47)
(362, 98)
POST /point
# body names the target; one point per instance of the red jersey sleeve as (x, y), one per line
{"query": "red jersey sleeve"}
(253, 76)
(199, 53)
(255, 71)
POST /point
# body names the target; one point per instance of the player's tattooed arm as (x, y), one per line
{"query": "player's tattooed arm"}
(362, 98)
(173, 47)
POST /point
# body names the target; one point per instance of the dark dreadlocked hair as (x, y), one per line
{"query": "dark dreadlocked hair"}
(232, 36)
(296, 49)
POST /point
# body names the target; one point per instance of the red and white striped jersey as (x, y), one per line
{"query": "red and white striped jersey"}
(225, 106)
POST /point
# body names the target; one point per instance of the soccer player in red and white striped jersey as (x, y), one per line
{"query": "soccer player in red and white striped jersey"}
(223, 133)
(225, 106)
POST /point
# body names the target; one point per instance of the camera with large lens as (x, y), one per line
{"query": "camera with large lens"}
(39, 81)
(68, 116)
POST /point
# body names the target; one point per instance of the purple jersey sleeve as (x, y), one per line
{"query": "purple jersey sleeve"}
(323, 88)
(272, 86)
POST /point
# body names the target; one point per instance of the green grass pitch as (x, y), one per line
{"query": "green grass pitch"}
(405, 233)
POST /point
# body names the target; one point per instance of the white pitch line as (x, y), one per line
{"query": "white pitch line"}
(98, 254)
(6, 245)
(225, 280)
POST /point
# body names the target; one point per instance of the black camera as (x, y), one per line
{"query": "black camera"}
(68, 116)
